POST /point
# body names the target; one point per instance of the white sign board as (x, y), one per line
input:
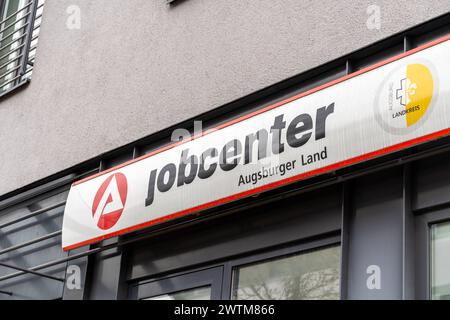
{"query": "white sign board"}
(395, 104)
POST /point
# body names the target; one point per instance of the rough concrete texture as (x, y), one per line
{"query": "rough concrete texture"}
(138, 66)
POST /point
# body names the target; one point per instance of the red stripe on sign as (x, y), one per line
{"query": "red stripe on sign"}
(286, 181)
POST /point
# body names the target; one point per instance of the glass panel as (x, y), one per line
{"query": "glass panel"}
(26, 286)
(203, 293)
(310, 275)
(440, 261)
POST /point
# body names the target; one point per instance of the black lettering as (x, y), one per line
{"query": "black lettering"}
(322, 115)
(275, 130)
(231, 150)
(151, 188)
(171, 169)
(262, 137)
(206, 173)
(192, 161)
(300, 124)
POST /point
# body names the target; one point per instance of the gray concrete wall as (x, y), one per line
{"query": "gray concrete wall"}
(137, 66)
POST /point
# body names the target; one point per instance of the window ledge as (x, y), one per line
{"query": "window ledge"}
(17, 87)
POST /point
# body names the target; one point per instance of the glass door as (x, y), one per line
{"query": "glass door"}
(200, 285)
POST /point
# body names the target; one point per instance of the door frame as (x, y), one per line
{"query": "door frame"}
(211, 276)
(423, 253)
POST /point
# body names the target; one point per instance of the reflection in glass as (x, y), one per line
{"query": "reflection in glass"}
(311, 275)
(440, 261)
(203, 293)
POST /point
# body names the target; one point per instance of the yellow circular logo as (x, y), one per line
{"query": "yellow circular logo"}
(405, 98)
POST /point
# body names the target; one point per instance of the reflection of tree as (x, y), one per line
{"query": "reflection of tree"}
(312, 275)
(322, 284)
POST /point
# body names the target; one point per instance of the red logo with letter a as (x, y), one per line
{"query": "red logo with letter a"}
(109, 201)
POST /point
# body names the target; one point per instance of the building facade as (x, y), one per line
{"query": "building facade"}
(89, 86)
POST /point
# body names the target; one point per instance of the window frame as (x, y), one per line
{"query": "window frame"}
(24, 66)
(211, 276)
(2, 7)
(220, 274)
(423, 250)
(279, 253)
